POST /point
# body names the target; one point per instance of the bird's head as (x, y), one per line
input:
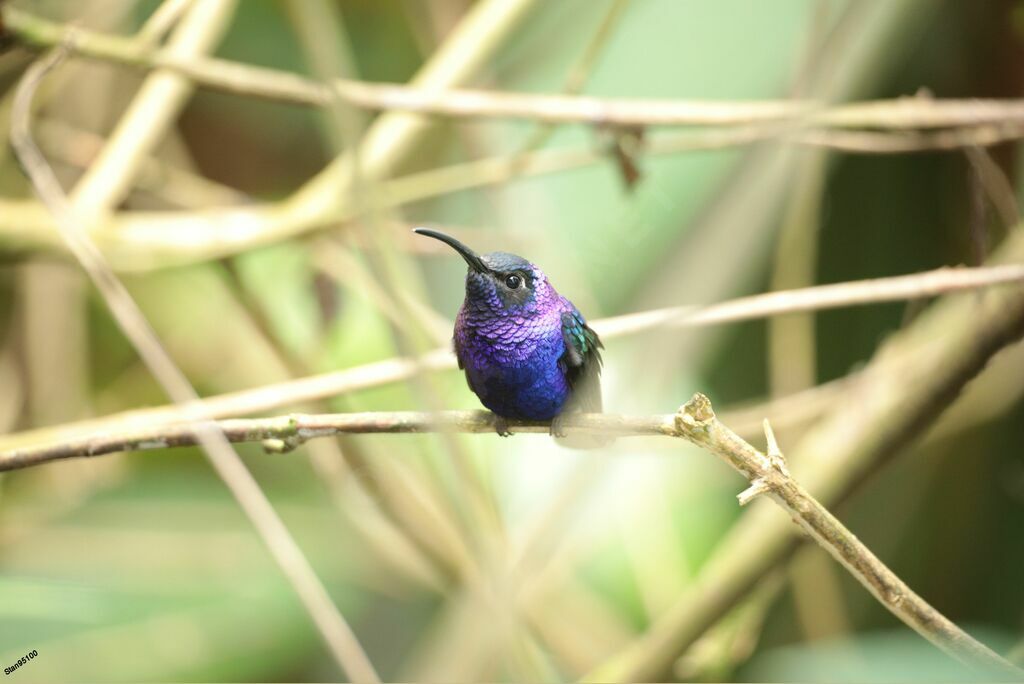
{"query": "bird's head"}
(499, 283)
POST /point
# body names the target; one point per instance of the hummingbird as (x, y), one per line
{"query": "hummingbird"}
(527, 351)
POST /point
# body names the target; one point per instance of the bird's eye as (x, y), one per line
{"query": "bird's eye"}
(513, 281)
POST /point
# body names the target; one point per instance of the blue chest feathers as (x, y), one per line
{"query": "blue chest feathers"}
(513, 365)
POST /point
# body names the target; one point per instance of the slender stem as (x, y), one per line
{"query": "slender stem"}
(377, 373)
(152, 111)
(283, 433)
(390, 138)
(768, 474)
(333, 628)
(854, 293)
(912, 379)
(177, 186)
(139, 241)
(695, 422)
(160, 22)
(899, 114)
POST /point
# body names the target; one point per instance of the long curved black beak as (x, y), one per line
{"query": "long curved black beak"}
(471, 257)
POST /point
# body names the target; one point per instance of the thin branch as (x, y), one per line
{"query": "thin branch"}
(336, 633)
(577, 78)
(768, 474)
(139, 241)
(695, 422)
(177, 186)
(160, 22)
(467, 49)
(144, 240)
(817, 298)
(997, 186)
(151, 112)
(899, 114)
(911, 380)
(284, 433)
(377, 373)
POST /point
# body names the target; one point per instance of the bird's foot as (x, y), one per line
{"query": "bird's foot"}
(501, 426)
(557, 426)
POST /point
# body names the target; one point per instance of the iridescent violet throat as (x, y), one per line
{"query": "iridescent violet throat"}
(527, 351)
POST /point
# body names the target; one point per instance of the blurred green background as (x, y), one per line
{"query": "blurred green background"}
(140, 567)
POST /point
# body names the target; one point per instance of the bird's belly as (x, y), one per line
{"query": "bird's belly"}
(530, 389)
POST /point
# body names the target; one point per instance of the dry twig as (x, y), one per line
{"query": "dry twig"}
(913, 378)
(298, 391)
(695, 422)
(335, 631)
(769, 476)
(902, 114)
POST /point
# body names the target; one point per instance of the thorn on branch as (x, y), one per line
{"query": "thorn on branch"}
(755, 490)
(776, 463)
(775, 458)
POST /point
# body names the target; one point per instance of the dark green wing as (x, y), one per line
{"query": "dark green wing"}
(581, 363)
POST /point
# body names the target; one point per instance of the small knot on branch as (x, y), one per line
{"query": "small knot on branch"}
(695, 413)
(288, 439)
(282, 446)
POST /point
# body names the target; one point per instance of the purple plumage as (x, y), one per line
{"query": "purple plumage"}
(526, 350)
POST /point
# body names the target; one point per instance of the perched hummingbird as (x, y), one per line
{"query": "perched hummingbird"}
(526, 350)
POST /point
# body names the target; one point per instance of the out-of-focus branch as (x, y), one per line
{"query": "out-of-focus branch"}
(333, 628)
(145, 240)
(294, 392)
(901, 114)
(155, 107)
(141, 240)
(913, 378)
(78, 148)
(817, 298)
(160, 22)
(389, 139)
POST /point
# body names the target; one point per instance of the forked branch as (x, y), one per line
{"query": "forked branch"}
(769, 476)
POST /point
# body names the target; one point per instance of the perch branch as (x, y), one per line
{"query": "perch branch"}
(283, 433)
(695, 422)
(900, 114)
(294, 392)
